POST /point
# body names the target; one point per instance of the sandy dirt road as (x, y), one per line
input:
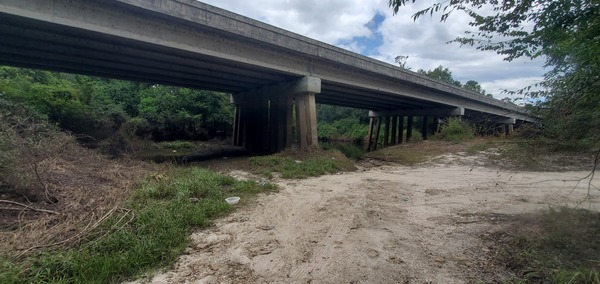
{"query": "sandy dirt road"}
(388, 224)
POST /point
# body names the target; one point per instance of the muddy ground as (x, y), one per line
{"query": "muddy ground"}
(382, 224)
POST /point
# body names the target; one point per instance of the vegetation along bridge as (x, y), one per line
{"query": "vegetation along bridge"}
(271, 73)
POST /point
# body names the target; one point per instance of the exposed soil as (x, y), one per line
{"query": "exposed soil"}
(436, 222)
(431, 223)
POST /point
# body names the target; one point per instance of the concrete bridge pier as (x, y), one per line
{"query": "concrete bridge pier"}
(509, 129)
(409, 127)
(509, 126)
(263, 120)
(395, 119)
(425, 128)
(400, 129)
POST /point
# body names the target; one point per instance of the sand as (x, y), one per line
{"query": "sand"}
(387, 224)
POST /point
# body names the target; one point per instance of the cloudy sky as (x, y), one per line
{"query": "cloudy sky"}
(369, 27)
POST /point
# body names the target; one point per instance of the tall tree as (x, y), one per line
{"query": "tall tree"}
(474, 86)
(441, 73)
(401, 60)
(566, 33)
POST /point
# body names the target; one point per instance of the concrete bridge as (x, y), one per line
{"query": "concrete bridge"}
(272, 74)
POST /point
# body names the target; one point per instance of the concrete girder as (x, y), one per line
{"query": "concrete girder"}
(78, 48)
(330, 87)
(110, 74)
(184, 27)
(91, 66)
(458, 111)
(110, 19)
(206, 15)
(291, 88)
(128, 65)
(382, 85)
(359, 102)
(12, 33)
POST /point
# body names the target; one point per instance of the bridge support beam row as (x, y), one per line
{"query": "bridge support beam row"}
(494, 125)
(395, 119)
(264, 120)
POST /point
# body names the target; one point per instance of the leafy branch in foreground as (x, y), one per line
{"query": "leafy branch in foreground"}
(565, 33)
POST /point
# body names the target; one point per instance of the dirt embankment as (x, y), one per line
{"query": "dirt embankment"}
(387, 224)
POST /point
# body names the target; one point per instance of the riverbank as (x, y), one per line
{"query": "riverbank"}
(433, 223)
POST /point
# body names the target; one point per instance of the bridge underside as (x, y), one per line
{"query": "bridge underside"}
(269, 72)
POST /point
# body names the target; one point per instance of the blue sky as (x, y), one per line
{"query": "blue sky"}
(368, 27)
(366, 45)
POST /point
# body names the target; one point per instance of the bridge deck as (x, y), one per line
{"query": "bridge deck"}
(191, 44)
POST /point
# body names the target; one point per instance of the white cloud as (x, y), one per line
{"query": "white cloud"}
(496, 87)
(353, 46)
(326, 20)
(337, 22)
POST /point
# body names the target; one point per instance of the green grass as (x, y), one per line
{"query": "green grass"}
(556, 246)
(177, 145)
(349, 149)
(480, 147)
(413, 153)
(545, 155)
(301, 165)
(164, 217)
(399, 155)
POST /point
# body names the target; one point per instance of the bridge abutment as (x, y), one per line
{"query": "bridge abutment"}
(264, 120)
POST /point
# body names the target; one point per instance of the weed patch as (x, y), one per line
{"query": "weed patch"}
(555, 246)
(544, 155)
(414, 153)
(480, 147)
(350, 150)
(455, 130)
(301, 164)
(165, 208)
(178, 145)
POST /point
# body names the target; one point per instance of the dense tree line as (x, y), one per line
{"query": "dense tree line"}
(342, 123)
(96, 109)
(99, 107)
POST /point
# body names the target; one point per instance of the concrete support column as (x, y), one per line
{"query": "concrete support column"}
(509, 127)
(306, 120)
(425, 128)
(397, 123)
(386, 132)
(280, 123)
(409, 127)
(263, 118)
(394, 129)
(400, 129)
(370, 134)
(257, 125)
(374, 128)
(237, 127)
(377, 128)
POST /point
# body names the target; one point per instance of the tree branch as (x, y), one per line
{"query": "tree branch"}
(28, 207)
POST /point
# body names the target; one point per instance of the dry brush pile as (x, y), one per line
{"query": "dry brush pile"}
(54, 193)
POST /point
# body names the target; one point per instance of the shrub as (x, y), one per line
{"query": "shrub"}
(416, 136)
(343, 129)
(456, 130)
(165, 209)
(300, 164)
(26, 139)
